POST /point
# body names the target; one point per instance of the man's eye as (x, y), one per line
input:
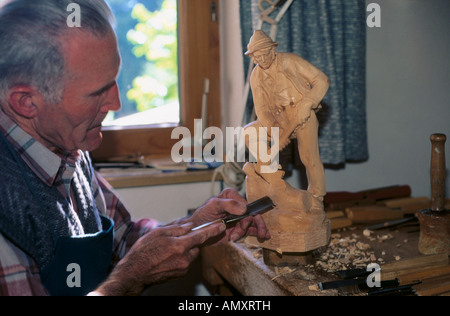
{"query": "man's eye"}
(102, 92)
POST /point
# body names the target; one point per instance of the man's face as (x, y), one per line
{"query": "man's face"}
(264, 57)
(91, 91)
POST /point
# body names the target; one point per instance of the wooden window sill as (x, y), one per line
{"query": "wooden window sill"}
(130, 178)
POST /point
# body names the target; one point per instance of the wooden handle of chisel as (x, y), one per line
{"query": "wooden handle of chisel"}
(438, 171)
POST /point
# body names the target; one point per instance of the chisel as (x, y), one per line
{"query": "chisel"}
(257, 207)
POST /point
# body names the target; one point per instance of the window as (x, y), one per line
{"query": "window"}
(147, 36)
(198, 59)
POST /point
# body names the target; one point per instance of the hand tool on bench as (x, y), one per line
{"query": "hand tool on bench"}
(257, 207)
(360, 282)
(401, 290)
(435, 222)
(393, 223)
(359, 285)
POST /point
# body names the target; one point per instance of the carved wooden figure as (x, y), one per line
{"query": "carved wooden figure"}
(287, 91)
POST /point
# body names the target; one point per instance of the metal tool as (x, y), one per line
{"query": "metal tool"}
(353, 273)
(257, 207)
(400, 290)
(362, 282)
(392, 223)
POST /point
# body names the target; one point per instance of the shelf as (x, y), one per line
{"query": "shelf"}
(129, 178)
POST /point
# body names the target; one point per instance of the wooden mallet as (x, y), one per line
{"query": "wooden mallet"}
(435, 222)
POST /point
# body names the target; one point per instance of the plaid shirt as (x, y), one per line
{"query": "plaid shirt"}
(19, 274)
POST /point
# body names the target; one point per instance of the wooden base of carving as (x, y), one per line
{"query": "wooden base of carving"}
(297, 224)
(290, 234)
(274, 259)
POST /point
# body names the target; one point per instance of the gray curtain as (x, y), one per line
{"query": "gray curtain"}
(330, 34)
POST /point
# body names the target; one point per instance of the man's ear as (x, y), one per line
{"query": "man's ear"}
(23, 100)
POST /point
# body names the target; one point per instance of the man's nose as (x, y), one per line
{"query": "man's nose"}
(113, 101)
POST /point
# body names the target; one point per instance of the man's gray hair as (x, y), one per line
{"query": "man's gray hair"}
(30, 42)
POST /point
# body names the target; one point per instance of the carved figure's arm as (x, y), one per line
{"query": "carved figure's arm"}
(308, 79)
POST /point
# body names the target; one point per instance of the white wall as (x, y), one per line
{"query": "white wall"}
(166, 202)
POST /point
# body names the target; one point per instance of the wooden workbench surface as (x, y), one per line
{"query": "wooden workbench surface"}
(242, 266)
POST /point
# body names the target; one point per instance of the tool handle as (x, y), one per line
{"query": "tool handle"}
(438, 171)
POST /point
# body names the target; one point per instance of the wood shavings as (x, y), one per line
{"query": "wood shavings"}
(313, 287)
(282, 271)
(345, 253)
(258, 254)
(384, 237)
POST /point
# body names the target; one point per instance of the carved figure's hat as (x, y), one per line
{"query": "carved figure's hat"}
(259, 41)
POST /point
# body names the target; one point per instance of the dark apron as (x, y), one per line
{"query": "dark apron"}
(80, 263)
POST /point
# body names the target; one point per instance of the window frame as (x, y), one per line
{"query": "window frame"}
(199, 58)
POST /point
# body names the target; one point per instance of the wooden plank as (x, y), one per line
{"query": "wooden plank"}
(243, 267)
(340, 222)
(247, 274)
(159, 178)
(342, 196)
(416, 207)
(344, 205)
(334, 214)
(371, 213)
(389, 192)
(401, 202)
(392, 270)
(409, 277)
(435, 286)
(421, 205)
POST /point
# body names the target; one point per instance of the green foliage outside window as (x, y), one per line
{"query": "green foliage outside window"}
(147, 35)
(154, 37)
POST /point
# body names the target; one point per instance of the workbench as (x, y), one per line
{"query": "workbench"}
(239, 268)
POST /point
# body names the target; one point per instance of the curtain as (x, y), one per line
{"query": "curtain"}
(330, 34)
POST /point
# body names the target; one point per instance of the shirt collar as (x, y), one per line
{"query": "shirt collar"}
(47, 165)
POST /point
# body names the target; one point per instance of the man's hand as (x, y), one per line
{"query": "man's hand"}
(162, 254)
(167, 252)
(230, 202)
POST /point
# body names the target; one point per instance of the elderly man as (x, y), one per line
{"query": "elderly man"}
(57, 216)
